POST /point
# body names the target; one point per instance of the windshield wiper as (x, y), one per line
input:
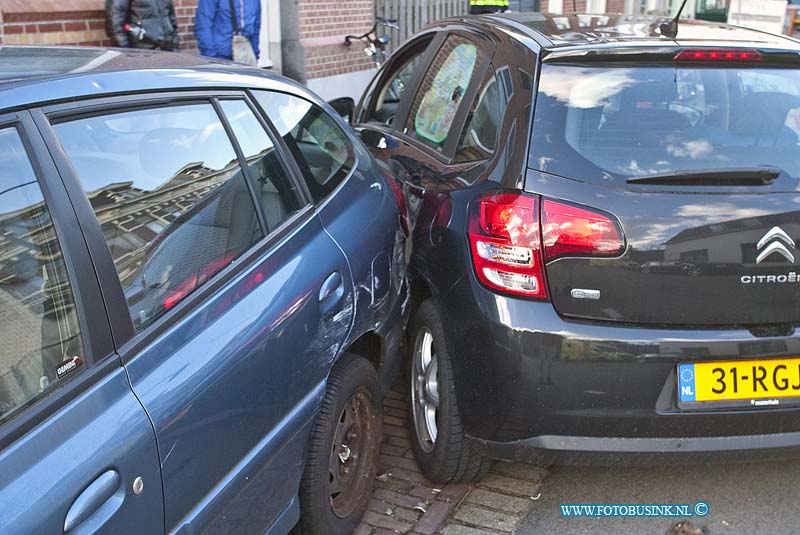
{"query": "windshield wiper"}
(730, 176)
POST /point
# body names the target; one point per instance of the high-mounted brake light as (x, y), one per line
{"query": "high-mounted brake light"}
(506, 246)
(721, 56)
(569, 230)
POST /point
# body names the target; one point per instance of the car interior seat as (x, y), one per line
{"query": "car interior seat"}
(644, 114)
(761, 121)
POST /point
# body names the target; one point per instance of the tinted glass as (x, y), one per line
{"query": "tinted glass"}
(387, 98)
(478, 140)
(41, 343)
(170, 197)
(274, 188)
(607, 123)
(442, 91)
(322, 150)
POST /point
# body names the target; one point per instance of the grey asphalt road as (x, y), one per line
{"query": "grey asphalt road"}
(744, 499)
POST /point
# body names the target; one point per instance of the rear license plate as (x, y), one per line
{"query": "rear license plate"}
(758, 383)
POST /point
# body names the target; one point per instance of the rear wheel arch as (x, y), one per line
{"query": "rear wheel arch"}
(420, 291)
(443, 450)
(325, 508)
(370, 346)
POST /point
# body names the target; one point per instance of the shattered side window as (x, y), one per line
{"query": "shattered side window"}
(442, 91)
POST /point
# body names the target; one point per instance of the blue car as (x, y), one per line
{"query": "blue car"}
(202, 299)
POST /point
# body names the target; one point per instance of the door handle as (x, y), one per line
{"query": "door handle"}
(98, 502)
(331, 292)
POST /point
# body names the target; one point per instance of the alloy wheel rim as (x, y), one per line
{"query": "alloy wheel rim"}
(425, 390)
(351, 455)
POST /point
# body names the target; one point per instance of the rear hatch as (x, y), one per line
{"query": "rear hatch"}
(700, 166)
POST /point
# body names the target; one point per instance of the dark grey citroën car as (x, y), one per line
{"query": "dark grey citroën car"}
(604, 216)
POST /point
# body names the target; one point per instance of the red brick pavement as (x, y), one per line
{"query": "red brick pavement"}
(404, 501)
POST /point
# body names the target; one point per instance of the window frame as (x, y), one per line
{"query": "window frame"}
(344, 128)
(98, 349)
(479, 93)
(399, 60)
(128, 342)
(486, 50)
(282, 152)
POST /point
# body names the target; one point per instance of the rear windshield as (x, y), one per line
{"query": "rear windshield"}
(608, 124)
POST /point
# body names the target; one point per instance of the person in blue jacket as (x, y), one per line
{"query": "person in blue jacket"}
(213, 28)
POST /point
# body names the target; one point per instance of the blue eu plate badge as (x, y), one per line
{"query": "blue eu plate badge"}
(686, 382)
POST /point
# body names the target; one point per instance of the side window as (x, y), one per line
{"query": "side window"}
(41, 341)
(274, 186)
(478, 139)
(322, 150)
(442, 90)
(767, 83)
(387, 98)
(170, 196)
(776, 88)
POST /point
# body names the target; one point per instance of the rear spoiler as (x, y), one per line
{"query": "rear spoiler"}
(708, 56)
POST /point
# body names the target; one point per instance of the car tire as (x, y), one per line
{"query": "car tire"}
(437, 436)
(343, 453)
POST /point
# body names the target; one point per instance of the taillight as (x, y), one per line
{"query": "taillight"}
(706, 55)
(506, 246)
(400, 199)
(511, 240)
(572, 230)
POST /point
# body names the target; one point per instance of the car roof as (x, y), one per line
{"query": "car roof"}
(591, 31)
(42, 74)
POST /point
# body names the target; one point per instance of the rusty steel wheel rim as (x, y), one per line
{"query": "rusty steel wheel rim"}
(352, 454)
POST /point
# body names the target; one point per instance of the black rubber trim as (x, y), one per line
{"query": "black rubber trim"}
(577, 450)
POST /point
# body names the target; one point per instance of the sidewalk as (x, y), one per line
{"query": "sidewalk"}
(404, 501)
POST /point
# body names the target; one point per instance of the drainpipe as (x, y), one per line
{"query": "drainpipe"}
(293, 57)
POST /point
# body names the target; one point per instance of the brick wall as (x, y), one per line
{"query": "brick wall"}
(58, 22)
(73, 22)
(184, 10)
(615, 6)
(323, 25)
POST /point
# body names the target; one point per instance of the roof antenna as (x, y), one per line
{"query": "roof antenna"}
(670, 29)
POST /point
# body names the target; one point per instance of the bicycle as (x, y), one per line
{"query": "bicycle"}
(376, 45)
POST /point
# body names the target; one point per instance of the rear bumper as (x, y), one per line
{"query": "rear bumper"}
(572, 450)
(535, 387)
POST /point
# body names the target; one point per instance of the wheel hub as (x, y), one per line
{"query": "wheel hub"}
(344, 453)
(425, 390)
(351, 454)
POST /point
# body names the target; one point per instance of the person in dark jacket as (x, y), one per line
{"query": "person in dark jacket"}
(213, 27)
(149, 24)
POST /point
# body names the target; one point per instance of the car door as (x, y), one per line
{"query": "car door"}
(423, 147)
(232, 294)
(77, 452)
(353, 199)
